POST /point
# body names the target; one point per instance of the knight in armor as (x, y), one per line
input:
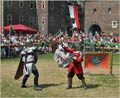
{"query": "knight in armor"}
(57, 57)
(75, 67)
(29, 59)
(62, 57)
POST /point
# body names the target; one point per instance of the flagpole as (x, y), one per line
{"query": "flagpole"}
(11, 31)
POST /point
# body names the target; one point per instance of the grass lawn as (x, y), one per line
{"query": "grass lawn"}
(116, 59)
(53, 80)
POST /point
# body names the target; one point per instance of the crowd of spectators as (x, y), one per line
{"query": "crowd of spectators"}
(11, 45)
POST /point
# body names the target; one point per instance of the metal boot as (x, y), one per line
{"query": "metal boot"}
(69, 83)
(24, 81)
(36, 86)
(84, 84)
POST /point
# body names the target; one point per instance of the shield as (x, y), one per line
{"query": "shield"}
(19, 71)
(66, 62)
(96, 60)
(63, 59)
(35, 57)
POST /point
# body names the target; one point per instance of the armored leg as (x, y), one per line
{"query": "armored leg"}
(80, 77)
(36, 76)
(84, 84)
(70, 76)
(69, 83)
(24, 81)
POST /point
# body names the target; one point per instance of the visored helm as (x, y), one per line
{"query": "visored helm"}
(65, 44)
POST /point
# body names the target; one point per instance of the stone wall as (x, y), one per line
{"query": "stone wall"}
(102, 17)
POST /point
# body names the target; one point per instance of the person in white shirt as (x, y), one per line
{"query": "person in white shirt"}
(29, 57)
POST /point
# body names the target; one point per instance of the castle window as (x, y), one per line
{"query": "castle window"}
(43, 4)
(94, 11)
(43, 20)
(9, 19)
(52, 5)
(35, 21)
(31, 21)
(43, 23)
(51, 20)
(21, 19)
(9, 3)
(109, 10)
(114, 24)
(21, 3)
(31, 4)
(35, 5)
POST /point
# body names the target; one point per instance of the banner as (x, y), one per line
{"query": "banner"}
(97, 60)
(73, 10)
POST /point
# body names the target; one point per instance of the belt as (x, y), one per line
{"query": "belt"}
(29, 62)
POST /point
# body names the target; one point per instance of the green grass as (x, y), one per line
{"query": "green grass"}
(46, 56)
(53, 80)
(116, 59)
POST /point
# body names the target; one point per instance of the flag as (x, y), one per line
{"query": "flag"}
(73, 10)
(11, 31)
(97, 60)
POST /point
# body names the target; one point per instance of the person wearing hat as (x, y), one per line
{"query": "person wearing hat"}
(75, 67)
(29, 59)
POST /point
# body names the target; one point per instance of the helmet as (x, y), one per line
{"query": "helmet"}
(77, 53)
(22, 52)
(60, 47)
(33, 48)
(65, 44)
(29, 50)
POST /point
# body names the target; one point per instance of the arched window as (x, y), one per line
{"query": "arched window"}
(51, 5)
(21, 19)
(31, 21)
(43, 23)
(43, 20)
(109, 10)
(9, 19)
(43, 4)
(51, 20)
(9, 3)
(31, 5)
(21, 4)
(94, 11)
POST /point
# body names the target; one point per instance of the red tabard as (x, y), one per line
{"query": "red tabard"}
(77, 68)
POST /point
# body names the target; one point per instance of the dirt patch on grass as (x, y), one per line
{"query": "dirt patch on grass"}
(115, 71)
(53, 80)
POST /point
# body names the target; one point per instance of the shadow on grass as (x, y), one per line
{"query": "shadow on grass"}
(45, 85)
(89, 86)
(49, 85)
